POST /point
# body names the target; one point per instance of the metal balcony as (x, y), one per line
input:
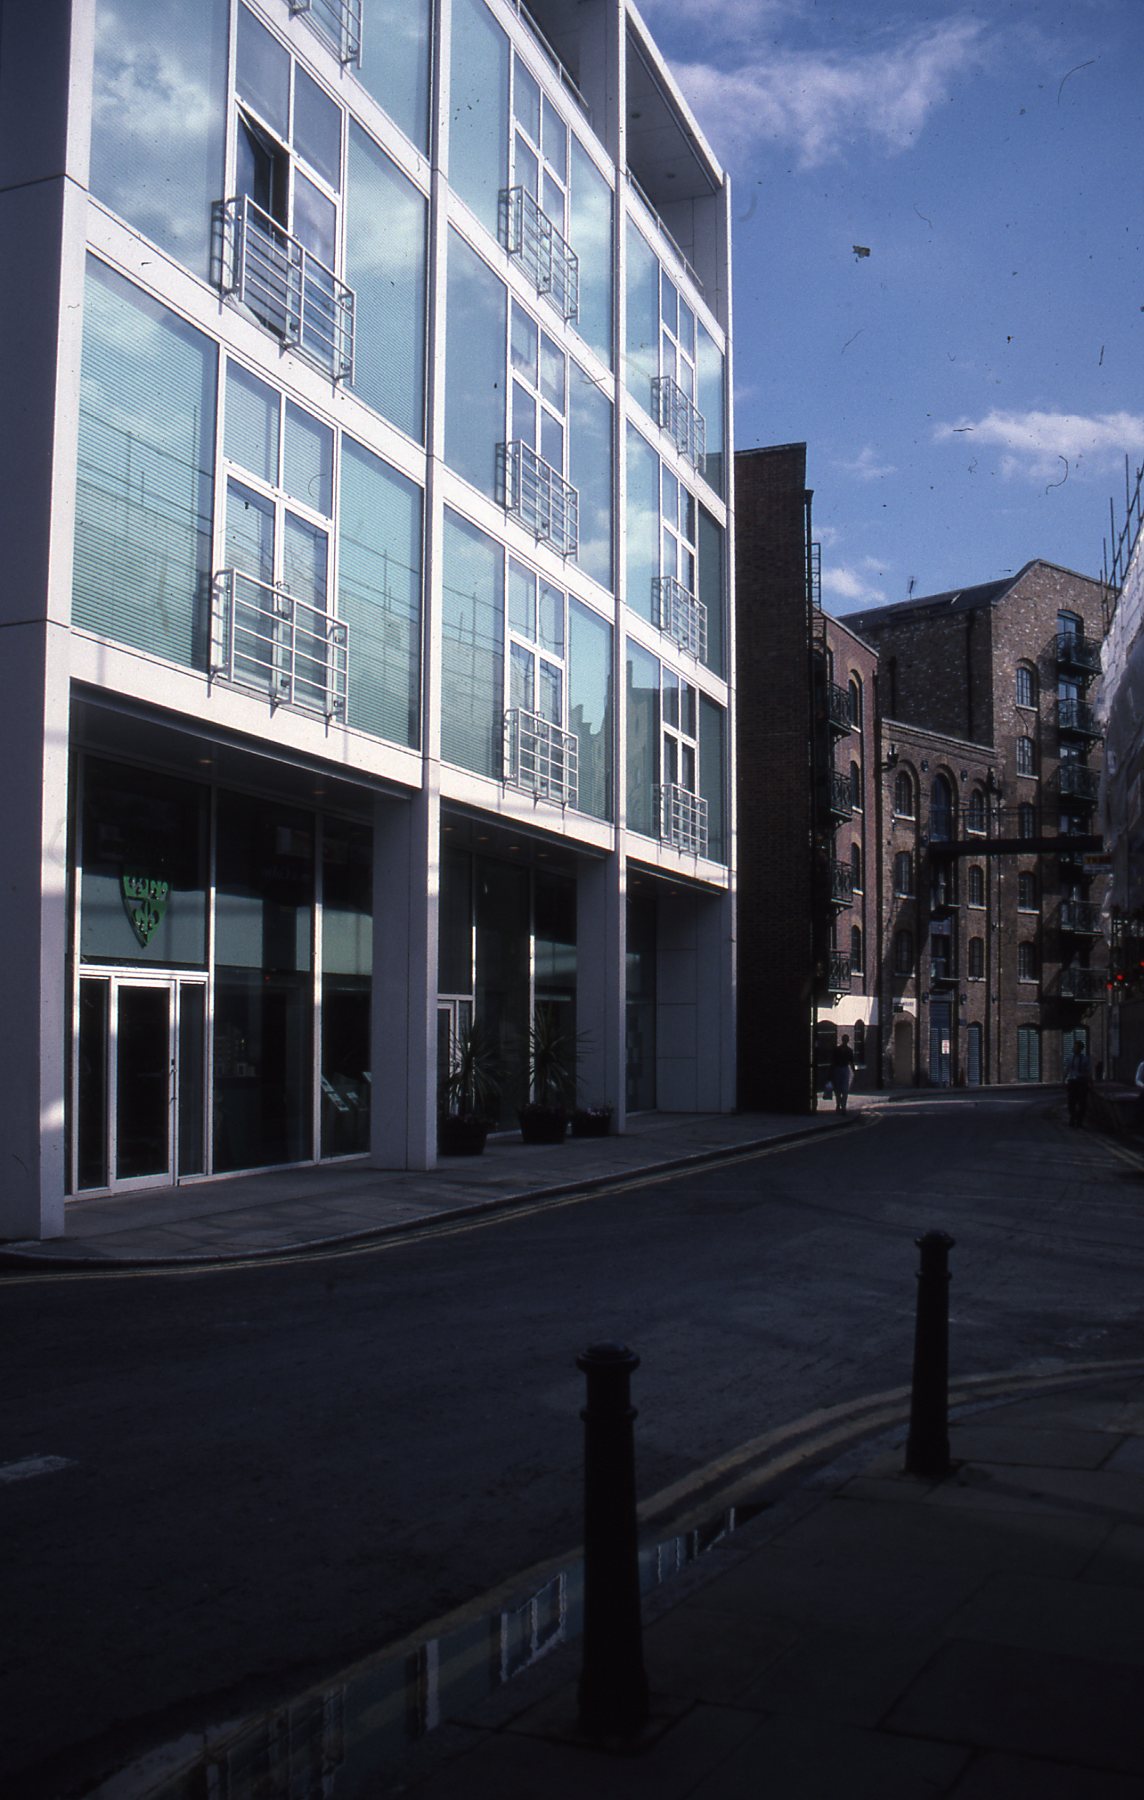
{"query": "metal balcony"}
(838, 708)
(1077, 719)
(288, 289)
(265, 640)
(682, 818)
(539, 497)
(838, 794)
(1084, 984)
(680, 615)
(550, 264)
(1080, 917)
(942, 974)
(683, 422)
(540, 758)
(1080, 655)
(1079, 785)
(838, 972)
(337, 22)
(841, 883)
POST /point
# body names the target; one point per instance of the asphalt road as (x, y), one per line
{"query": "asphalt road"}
(271, 1470)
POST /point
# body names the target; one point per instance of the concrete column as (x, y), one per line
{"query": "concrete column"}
(403, 1022)
(45, 88)
(601, 989)
(695, 1031)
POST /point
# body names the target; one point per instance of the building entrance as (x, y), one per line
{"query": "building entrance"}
(140, 1080)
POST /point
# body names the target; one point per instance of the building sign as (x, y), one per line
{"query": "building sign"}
(145, 898)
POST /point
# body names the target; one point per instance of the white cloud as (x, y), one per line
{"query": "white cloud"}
(1037, 445)
(865, 466)
(822, 102)
(845, 583)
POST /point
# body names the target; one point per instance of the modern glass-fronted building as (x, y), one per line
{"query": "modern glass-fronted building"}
(367, 620)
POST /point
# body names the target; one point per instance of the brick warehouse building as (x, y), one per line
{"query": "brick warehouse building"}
(901, 813)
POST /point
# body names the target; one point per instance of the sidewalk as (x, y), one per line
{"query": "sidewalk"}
(294, 1209)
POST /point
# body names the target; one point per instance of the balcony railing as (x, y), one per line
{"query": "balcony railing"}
(539, 497)
(264, 639)
(1077, 718)
(540, 757)
(288, 289)
(942, 973)
(839, 801)
(1079, 784)
(680, 615)
(1084, 984)
(841, 883)
(338, 22)
(1080, 917)
(838, 972)
(550, 264)
(838, 708)
(1078, 653)
(683, 422)
(682, 818)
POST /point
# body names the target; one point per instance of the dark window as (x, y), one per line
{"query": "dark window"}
(976, 817)
(860, 1044)
(856, 868)
(855, 787)
(1027, 893)
(941, 809)
(1026, 820)
(903, 873)
(1026, 756)
(1026, 686)
(904, 795)
(904, 953)
(1028, 1053)
(976, 959)
(1026, 962)
(854, 702)
(977, 885)
(855, 950)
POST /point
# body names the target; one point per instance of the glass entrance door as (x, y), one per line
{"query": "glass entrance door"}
(144, 1082)
(139, 1081)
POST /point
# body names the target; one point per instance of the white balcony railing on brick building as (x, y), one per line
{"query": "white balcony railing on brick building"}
(682, 818)
(549, 262)
(540, 758)
(683, 422)
(539, 497)
(680, 615)
(337, 22)
(289, 289)
(264, 639)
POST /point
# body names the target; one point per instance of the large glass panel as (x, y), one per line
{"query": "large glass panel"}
(590, 472)
(641, 1014)
(711, 588)
(251, 435)
(264, 998)
(262, 72)
(395, 63)
(503, 939)
(379, 596)
(710, 402)
(590, 713)
(643, 739)
(317, 128)
(642, 364)
(590, 233)
(474, 367)
(192, 1065)
(385, 266)
(642, 540)
(712, 766)
(455, 924)
(347, 943)
(143, 852)
(143, 1082)
(478, 124)
(308, 473)
(472, 653)
(145, 474)
(158, 128)
(91, 1096)
(554, 953)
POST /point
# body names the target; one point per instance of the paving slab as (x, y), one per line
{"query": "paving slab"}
(1046, 1446)
(797, 1759)
(1038, 1612)
(993, 1777)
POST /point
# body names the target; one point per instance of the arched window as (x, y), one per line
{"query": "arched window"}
(855, 787)
(856, 868)
(860, 1044)
(904, 794)
(941, 809)
(903, 952)
(1027, 892)
(1026, 685)
(1026, 962)
(903, 873)
(977, 959)
(855, 950)
(854, 701)
(976, 880)
(975, 818)
(1026, 756)
(1026, 820)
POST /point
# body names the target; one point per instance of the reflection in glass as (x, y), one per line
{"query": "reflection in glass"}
(395, 63)
(379, 594)
(641, 1003)
(642, 739)
(642, 536)
(262, 72)
(347, 889)
(251, 423)
(192, 1050)
(478, 124)
(317, 128)
(590, 707)
(643, 318)
(472, 654)
(712, 767)
(142, 1082)
(474, 367)
(711, 587)
(590, 235)
(385, 265)
(590, 472)
(91, 1096)
(710, 401)
(138, 822)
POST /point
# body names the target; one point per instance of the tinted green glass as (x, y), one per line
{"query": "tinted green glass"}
(642, 340)
(385, 265)
(379, 595)
(590, 711)
(478, 124)
(642, 540)
(642, 739)
(474, 367)
(472, 648)
(590, 472)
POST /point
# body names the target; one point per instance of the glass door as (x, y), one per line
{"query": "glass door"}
(140, 1082)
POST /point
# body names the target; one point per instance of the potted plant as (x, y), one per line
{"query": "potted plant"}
(551, 1079)
(594, 1120)
(469, 1094)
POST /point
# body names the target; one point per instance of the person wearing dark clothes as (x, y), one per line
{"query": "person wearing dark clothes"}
(1078, 1080)
(842, 1072)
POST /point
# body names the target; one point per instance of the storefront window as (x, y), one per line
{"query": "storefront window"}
(144, 859)
(347, 942)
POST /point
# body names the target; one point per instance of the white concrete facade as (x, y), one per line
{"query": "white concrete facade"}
(317, 855)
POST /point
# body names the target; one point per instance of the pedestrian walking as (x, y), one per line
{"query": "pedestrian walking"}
(842, 1072)
(1078, 1080)
(1140, 1096)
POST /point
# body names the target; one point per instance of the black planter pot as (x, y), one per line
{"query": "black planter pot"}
(591, 1121)
(461, 1134)
(543, 1124)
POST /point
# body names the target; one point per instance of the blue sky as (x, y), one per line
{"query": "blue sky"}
(969, 390)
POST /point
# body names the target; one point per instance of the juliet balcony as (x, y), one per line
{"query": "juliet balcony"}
(540, 758)
(539, 497)
(838, 709)
(265, 640)
(1077, 654)
(1076, 718)
(683, 422)
(1077, 983)
(682, 818)
(679, 615)
(838, 973)
(529, 236)
(288, 289)
(1080, 917)
(337, 23)
(1079, 786)
(841, 883)
(838, 801)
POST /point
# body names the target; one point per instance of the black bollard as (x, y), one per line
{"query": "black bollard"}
(613, 1684)
(927, 1447)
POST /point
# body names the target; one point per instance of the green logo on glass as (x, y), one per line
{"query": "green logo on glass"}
(145, 898)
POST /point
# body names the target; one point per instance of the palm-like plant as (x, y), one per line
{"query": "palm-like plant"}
(473, 1084)
(552, 1055)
